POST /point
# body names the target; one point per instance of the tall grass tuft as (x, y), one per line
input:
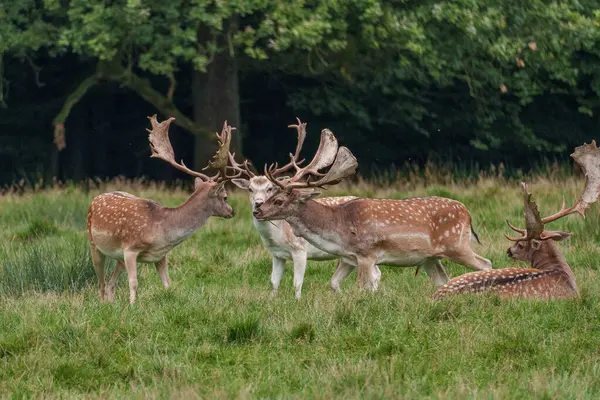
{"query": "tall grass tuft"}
(37, 228)
(45, 265)
(243, 331)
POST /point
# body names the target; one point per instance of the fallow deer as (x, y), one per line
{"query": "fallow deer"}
(366, 232)
(130, 229)
(277, 236)
(550, 276)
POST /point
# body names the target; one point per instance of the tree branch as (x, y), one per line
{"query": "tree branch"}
(72, 99)
(36, 71)
(172, 85)
(115, 72)
(2, 102)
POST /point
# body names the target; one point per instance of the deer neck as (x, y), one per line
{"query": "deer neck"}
(549, 258)
(321, 225)
(268, 229)
(181, 222)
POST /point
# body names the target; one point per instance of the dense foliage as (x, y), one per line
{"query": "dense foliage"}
(460, 81)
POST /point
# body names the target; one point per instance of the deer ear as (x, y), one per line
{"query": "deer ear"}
(197, 183)
(307, 195)
(535, 244)
(241, 183)
(557, 236)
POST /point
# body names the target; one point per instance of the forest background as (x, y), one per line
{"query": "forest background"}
(472, 84)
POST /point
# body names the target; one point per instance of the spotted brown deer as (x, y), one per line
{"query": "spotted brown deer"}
(550, 276)
(130, 229)
(367, 232)
(277, 236)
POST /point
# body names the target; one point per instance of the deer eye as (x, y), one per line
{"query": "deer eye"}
(250, 190)
(269, 190)
(225, 199)
(278, 202)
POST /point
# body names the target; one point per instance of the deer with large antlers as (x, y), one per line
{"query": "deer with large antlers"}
(367, 232)
(550, 276)
(278, 236)
(130, 229)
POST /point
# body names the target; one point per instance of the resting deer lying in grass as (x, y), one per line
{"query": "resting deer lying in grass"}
(549, 277)
(277, 236)
(367, 232)
(131, 229)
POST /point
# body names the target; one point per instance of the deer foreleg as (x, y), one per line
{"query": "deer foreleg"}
(299, 259)
(277, 273)
(341, 272)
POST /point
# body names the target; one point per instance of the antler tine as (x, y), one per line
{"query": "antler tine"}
(270, 177)
(512, 239)
(523, 233)
(243, 168)
(587, 156)
(514, 228)
(301, 130)
(161, 148)
(221, 157)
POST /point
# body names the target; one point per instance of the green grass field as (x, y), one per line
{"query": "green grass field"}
(218, 332)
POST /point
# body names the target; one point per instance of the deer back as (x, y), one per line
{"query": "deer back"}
(440, 219)
(512, 283)
(120, 218)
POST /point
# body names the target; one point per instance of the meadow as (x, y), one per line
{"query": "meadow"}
(219, 333)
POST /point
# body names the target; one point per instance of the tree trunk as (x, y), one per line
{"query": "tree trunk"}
(77, 140)
(216, 98)
(54, 172)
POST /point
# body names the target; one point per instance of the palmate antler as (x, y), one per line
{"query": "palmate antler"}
(587, 157)
(341, 161)
(161, 148)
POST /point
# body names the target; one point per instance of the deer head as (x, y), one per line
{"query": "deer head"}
(535, 235)
(222, 161)
(260, 187)
(293, 193)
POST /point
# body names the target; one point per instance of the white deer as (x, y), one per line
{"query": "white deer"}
(367, 232)
(130, 229)
(277, 236)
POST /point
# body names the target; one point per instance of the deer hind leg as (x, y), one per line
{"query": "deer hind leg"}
(368, 274)
(99, 259)
(341, 272)
(435, 270)
(131, 267)
(470, 259)
(163, 272)
(299, 259)
(277, 273)
(114, 278)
